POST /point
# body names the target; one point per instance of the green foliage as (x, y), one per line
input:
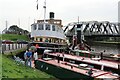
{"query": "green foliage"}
(0, 66)
(14, 37)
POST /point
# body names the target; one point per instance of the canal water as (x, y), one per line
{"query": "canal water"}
(109, 48)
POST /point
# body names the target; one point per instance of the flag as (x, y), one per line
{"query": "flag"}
(37, 4)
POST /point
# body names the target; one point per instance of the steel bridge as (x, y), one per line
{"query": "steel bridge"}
(94, 28)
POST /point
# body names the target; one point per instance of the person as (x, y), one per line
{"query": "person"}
(71, 66)
(63, 56)
(35, 56)
(101, 55)
(29, 57)
(90, 72)
(58, 58)
(25, 57)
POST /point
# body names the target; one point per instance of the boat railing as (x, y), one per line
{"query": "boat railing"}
(49, 43)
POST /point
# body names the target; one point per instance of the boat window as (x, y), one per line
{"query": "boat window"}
(41, 39)
(53, 27)
(40, 27)
(47, 27)
(46, 40)
(35, 27)
(50, 40)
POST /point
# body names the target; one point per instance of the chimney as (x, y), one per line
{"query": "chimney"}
(51, 15)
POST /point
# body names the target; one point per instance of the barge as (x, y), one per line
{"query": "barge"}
(69, 71)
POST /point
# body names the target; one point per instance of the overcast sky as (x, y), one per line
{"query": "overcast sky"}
(24, 12)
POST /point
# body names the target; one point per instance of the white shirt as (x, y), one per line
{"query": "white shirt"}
(35, 56)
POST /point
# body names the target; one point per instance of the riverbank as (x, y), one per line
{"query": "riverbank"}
(106, 42)
(14, 37)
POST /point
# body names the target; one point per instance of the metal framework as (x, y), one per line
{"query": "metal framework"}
(94, 28)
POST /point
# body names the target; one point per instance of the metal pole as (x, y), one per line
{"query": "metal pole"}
(44, 11)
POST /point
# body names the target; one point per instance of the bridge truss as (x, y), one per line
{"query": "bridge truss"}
(94, 28)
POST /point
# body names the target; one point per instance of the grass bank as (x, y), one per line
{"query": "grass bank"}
(11, 69)
(0, 66)
(14, 37)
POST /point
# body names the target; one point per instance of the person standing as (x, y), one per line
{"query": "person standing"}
(25, 57)
(29, 57)
(58, 58)
(35, 56)
(63, 56)
(101, 55)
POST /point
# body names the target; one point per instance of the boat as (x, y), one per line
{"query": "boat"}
(69, 70)
(48, 34)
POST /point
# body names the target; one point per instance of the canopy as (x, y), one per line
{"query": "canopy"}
(47, 51)
(82, 51)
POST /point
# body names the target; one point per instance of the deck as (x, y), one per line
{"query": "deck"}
(89, 60)
(75, 68)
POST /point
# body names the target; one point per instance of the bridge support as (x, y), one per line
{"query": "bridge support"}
(80, 35)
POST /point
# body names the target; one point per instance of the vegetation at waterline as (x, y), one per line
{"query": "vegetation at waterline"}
(14, 37)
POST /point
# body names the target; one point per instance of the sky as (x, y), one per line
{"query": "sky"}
(24, 12)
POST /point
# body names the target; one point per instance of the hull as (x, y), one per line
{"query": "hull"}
(59, 72)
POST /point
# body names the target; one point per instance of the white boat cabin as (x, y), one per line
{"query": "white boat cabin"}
(46, 32)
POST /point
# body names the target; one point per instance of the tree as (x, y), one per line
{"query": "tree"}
(14, 29)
